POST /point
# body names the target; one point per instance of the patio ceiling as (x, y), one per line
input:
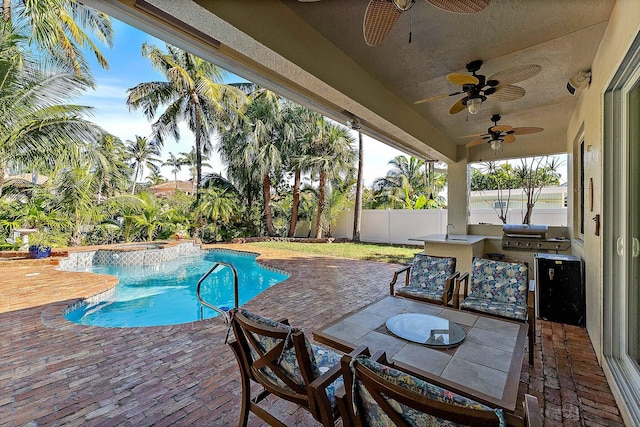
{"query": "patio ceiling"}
(315, 53)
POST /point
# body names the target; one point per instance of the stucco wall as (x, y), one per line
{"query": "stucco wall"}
(622, 29)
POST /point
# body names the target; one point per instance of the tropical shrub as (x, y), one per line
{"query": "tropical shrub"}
(103, 234)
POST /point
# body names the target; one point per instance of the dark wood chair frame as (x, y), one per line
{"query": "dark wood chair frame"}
(530, 319)
(311, 395)
(451, 288)
(378, 386)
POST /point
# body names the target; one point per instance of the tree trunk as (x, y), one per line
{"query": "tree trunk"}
(6, 10)
(295, 203)
(198, 147)
(266, 189)
(321, 189)
(135, 177)
(249, 196)
(357, 214)
(527, 216)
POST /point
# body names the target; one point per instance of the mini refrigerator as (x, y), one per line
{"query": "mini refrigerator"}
(560, 294)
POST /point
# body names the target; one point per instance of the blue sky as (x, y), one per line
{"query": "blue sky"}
(128, 68)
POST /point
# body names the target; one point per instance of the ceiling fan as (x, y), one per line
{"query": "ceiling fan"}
(477, 88)
(382, 15)
(498, 134)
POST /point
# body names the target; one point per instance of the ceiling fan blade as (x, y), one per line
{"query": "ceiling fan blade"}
(462, 79)
(516, 74)
(435, 98)
(476, 142)
(508, 139)
(500, 128)
(379, 19)
(458, 106)
(474, 135)
(526, 130)
(460, 6)
(508, 93)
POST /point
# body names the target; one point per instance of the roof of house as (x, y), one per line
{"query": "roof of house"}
(169, 187)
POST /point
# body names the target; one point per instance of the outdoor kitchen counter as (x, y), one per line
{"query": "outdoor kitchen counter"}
(461, 246)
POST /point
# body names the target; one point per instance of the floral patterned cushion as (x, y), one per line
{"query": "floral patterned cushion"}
(376, 417)
(288, 359)
(497, 308)
(322, 359)
(499, 281)
(431, 272)
(326, 359)
(420, 292)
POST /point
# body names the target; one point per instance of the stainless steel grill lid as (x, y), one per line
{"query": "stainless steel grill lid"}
(525, 230)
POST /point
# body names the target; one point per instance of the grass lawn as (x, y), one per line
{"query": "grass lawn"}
(397, 254)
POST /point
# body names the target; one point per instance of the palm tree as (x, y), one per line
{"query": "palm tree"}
(108, 159)
(357, 213)
(407, 185)
(141, 153)
(35, 124)
(333, 156)
(405, 178)
(149, 217)
(265, 144)
(253, 147)
(176, 164)
(190, 160)
(242, 172)
(62, 29)
(75, 188)
(219, 205)
(193, 94)
(155, 177)
(300, 125)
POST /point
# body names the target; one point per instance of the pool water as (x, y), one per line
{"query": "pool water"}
(165, 294)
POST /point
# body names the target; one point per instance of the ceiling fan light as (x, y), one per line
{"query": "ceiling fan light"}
(403, 5)
(496, 144)
(473, 105)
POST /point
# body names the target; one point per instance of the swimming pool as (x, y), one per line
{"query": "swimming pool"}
(165, 293)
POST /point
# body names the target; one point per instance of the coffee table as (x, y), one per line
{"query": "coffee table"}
(486, 366)
(425, 329)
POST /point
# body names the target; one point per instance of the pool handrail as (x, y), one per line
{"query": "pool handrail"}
(235, 288)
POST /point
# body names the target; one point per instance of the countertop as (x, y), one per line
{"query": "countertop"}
(454, 239)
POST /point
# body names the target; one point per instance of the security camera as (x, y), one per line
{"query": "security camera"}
(583, 78)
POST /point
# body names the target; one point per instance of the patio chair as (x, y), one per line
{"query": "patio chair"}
(428, 278)
(500, 288)
(376, 393)
(282, 360)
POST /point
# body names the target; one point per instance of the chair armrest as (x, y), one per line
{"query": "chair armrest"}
(323, 381)
(363, 349)
(380, 356)
(532, 414)
(395, 277)
(451, 281)
(464, 278)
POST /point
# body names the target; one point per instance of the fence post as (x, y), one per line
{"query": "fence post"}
(388, 226)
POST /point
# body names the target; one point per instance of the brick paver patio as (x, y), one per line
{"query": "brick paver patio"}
(53, 372)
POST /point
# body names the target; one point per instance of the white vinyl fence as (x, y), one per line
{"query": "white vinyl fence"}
(392, 225)
(399, 226)
(550, 217)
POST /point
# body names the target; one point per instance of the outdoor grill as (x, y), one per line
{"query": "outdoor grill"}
(531, 237)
